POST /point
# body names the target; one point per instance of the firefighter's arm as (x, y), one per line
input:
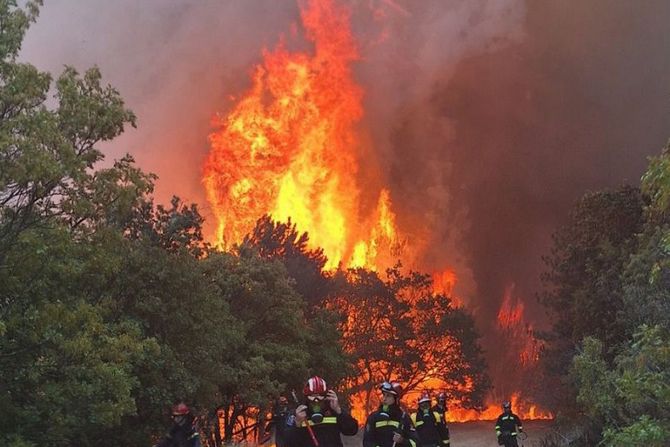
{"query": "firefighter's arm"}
(410, 437)
(369, 435)
(498, 422)
(519, 426)
(442, 429)
(348, 425)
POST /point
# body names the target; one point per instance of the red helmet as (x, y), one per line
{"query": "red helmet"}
(181, 409)
(391, 388)
(315, 386)
(425, 397)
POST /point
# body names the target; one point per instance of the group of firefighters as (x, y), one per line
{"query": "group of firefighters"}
(320, 421)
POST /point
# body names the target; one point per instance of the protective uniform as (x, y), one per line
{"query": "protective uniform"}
(430, 428)
(508, 426)
(184, 432)
(278, 422)
(326, 425)
(388, 420)
(441, 406)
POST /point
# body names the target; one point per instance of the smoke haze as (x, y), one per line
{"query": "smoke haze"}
(487, 119)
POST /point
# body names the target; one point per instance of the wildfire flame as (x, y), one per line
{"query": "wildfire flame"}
(525, 410)
(289, 148)
(512, 324)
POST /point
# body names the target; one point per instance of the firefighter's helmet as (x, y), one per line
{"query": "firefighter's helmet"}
(181, 409)
(425, 397)
(393, 388)
(315, 386)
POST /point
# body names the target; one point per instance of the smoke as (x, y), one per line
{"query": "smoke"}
(526, 128)
(176, 63)
(486, 118)
(517, 132)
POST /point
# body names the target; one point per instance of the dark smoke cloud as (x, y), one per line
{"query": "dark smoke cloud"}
(488, 118)
(523, 131)
(578, 104)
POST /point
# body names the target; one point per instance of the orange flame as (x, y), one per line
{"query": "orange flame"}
(289, 148)
(525, 410)
(513, 325)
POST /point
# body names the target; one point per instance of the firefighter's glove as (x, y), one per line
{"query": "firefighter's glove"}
(300, 415)
(334, 403)
(397, 438)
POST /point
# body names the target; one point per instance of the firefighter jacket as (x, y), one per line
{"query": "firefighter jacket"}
(442, 411)
(508, 424)
(384, 423)
(181, 436)
(430, 428)
(327, 432)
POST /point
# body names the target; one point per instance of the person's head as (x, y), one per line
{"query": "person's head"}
(507, 406)
(391, 392)
(282, 401)
(315, 391)
(442, 398)
(424, 401)
(180, 413)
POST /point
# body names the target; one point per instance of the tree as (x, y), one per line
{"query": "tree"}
(583, 289)
(617, 256)
(398, 329)
(66, 368)
(282, 241)
(272, 347)
(631, 401)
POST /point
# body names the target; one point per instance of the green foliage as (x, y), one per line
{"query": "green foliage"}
(656, 182)
(631, 400)
(282, 241)
(621, 263)
(14, 23)
(583, 288)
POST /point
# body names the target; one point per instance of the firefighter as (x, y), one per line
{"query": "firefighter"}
(320, 421)
(508, 426)
(184, 432)
(430, 427)
(278, 421)
(441, 406)
(390, 426)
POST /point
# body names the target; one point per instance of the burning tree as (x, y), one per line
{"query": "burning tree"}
(398, 328)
